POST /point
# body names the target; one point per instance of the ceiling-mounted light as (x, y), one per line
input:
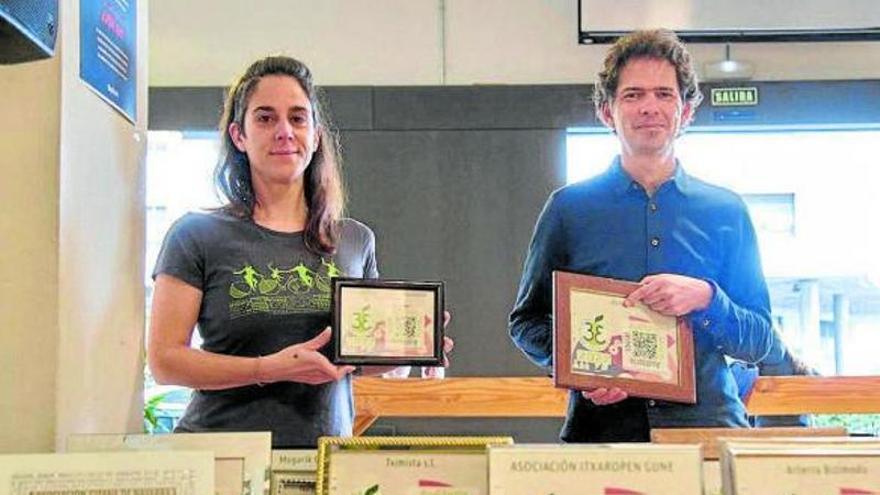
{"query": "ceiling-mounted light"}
(728, 69)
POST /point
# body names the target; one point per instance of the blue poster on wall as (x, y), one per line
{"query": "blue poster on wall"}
(108, 51)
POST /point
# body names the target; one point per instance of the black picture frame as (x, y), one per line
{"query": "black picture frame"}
(390, 299)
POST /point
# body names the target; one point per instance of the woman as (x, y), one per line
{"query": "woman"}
(254, 274)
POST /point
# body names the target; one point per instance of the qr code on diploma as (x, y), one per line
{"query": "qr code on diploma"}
(643, 345)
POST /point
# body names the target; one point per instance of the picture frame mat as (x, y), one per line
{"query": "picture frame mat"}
(647, 322)
(393, 301)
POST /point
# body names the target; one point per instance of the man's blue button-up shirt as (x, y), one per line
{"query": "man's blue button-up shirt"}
(608, 226)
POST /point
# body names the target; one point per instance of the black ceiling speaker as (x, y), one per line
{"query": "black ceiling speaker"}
(27, 30)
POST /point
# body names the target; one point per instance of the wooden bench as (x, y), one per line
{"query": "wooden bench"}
(492, 397)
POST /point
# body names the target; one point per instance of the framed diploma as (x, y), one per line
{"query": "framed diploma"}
(178, 473)
(404, 465)
(597, 342)
(387, 322)
(241, 460)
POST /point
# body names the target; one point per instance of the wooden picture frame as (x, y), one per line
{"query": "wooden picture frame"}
(403, 465)
(387, 322)
(597, 342)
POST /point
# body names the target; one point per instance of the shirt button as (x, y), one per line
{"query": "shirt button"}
(653, 207)
(652, 403)
(655, 241)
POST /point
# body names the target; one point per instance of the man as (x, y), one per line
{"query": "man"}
(690, 245)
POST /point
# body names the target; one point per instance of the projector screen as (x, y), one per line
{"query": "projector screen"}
(724, 20)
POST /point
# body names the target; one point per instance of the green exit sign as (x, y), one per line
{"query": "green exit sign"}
(730, 97)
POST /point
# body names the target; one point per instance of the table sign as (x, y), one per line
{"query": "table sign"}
(599, 469)
(597, 342)
(837, 468)
(710, 440)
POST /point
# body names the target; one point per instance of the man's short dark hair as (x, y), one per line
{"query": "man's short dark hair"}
(652, 44)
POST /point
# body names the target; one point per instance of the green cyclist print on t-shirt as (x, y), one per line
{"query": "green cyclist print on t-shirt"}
(281, 289)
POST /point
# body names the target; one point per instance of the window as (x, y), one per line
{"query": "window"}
(811, 197)
(179, 180)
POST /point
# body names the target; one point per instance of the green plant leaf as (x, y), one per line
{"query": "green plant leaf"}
(151, 422)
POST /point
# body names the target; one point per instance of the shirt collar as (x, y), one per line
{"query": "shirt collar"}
(621, 182)
(680, 179)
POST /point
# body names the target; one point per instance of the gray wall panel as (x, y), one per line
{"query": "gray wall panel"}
(349, 107)
(798, 103)
(484, 107)
(531, 107)
(178, 109)
(200, 108)
(459, 206)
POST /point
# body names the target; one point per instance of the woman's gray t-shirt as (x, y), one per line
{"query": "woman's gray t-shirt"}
(263, 291)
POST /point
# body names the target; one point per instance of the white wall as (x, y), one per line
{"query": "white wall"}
(101, 246)
(29, 135)
(432, 42)
(71, 251)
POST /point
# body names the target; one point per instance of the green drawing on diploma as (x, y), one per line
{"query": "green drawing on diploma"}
(591, 350)
(360, 334)
(361, 325)
(593, 335)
